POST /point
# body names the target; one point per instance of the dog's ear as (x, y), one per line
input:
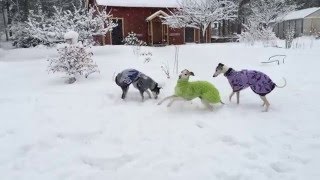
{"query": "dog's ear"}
(157, 85)
(191, 73)
(220, 64)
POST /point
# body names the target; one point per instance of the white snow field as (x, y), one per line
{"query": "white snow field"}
(54, 131)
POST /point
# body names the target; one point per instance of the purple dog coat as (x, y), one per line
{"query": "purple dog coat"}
(259, 82)
(128, 76)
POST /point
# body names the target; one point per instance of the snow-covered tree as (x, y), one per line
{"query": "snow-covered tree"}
(200, 13)
(50, 30)
(264, 13)
(74, 59)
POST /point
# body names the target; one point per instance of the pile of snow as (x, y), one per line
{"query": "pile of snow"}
(306, 42)
(71, 36)
(50, 130)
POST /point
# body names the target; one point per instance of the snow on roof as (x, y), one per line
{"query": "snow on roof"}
(300, 14)
(156, 14)
(139, 3)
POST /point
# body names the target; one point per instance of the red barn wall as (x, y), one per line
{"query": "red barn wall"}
(134, 20)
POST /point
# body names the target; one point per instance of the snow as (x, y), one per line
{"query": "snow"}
(300, 14)
(50, 130)
(72, 36)
(139, 3)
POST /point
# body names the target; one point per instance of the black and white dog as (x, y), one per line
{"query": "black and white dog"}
(139, 80)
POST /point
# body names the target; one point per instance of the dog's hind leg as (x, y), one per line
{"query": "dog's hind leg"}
(207, 104)
(169, 97)
(141, 93)
(266, 103)
(238, 97)
(231, 95)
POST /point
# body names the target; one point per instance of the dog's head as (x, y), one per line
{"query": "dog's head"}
(221, 68)
(185, 74)
(156, 91)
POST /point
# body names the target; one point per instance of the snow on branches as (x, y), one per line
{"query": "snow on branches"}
(267, 11)
(263, 15)
(50, 30)
(200, 13)
(74, 59)
(133, 40)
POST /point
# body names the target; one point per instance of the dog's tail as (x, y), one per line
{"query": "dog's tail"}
(285, 84)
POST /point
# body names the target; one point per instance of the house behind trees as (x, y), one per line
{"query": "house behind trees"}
(305, 22)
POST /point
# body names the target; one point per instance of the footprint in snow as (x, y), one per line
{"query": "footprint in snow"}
(108, 163)
(281, 167)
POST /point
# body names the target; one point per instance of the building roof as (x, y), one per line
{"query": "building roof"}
(139, 3)
(300, 14)
(156, 14)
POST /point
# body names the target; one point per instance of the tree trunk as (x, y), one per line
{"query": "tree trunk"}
(223, 28)
(25, 10)
(5, 20)
(202, 40)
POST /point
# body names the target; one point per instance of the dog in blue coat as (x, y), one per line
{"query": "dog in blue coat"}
(139, 80)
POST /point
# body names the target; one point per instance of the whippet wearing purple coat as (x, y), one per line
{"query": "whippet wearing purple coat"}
(259, 82)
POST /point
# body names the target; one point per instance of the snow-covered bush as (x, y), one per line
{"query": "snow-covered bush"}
(289, 36)
(254, 34)
(21, 36)
(133, 40)
(50, 30)
(263, 15)
(74, 59)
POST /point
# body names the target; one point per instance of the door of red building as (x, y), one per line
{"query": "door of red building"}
(157, 32)
(117, 32)
(189, 35)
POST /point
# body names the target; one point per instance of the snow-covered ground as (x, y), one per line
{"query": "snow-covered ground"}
(50, 130)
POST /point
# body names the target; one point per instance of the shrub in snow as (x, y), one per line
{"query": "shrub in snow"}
(263, 14)
(166, 69)
(74, 59)
(133, 40)
(289, 36)
(50, 30)
(21, 36)
(255, 33)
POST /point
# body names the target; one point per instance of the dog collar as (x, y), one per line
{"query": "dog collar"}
(228, 72)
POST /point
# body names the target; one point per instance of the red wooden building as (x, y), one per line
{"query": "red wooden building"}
(143, 18)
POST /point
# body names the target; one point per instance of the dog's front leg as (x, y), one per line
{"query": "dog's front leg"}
(149, 94)
(169, 97)
(238, 97)
(231, 95)
(124, 91)
(266, 103)
(141, 93)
